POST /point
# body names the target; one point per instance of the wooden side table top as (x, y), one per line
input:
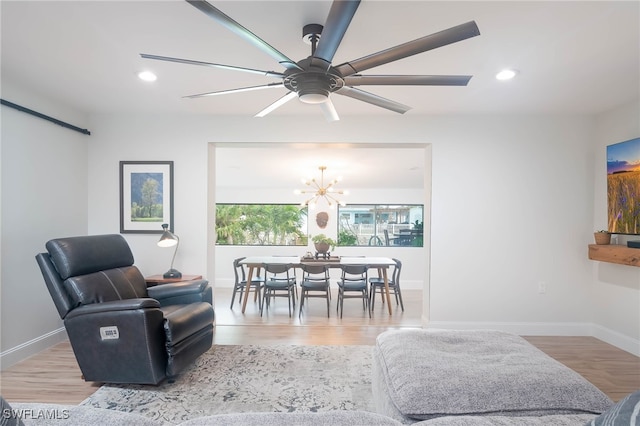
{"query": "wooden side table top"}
(159, 279)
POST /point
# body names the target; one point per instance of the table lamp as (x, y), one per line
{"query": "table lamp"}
(169, 239)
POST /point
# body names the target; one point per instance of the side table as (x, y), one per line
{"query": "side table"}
(154, 280)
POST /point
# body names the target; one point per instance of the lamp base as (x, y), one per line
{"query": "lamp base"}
(172, 273)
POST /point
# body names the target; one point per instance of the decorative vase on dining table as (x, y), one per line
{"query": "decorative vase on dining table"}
(322, 247)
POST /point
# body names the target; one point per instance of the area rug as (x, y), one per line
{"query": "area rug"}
(231, 379)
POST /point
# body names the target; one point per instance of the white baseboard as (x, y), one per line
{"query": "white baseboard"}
(611, 337)
(25, 350)
(616, 339)
(520, 328)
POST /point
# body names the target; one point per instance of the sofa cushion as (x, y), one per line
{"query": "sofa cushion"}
(8, 415)
(432, 373)
(552, 420)
(625, 412)
(106, 286)
(39, 414)
(320, 418)
(86, 254)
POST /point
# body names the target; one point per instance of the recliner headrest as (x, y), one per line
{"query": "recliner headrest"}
(74, 256)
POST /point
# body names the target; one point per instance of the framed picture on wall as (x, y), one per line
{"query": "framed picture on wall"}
(146, 196)
(623, 187)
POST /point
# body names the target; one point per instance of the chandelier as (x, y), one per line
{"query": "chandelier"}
(320, 191)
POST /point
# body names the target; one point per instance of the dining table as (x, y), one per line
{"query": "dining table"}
(382, 264)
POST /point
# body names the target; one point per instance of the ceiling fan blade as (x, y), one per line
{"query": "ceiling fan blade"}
(234, 26)
(423, 44)
(407, 80)
(277, 104)
(338, 21)
(209, 64)
(329, 110)
(376, 100)
(241, 89)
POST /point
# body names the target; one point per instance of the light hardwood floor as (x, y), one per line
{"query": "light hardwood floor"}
(53, 375)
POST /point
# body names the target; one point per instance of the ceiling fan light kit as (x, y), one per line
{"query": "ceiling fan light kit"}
(314, 78)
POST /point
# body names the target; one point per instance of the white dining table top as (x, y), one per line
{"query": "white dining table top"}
(296, 260)
(274, 260)
(366, 260)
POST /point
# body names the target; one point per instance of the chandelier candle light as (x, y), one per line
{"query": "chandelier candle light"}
(320, 191)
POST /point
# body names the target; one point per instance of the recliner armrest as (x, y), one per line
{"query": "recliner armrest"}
(181, 292)
(114, 306)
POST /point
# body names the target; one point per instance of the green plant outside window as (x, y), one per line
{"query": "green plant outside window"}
(261, 224)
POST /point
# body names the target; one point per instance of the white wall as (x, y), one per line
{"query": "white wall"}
(512, 204)
(511, 209)
(44, 195)
(616, 288)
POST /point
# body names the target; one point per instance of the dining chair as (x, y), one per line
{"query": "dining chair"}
(257, 283)
(280, 281)
(293, 271)
(353, 284)
(315, 283)
(376, 284)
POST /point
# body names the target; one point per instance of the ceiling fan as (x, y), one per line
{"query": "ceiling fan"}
(314, 78)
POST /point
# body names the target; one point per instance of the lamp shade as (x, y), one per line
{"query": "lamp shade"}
(169, 239)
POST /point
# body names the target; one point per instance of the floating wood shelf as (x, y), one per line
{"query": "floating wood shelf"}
(615, 253)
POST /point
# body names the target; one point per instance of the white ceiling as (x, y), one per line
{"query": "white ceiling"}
(573, 57)
(284, 165)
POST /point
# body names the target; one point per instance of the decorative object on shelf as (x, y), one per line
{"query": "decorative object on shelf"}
(322, 244)
(602, 237)
(146, 196)
(169, 239)
(319, 190)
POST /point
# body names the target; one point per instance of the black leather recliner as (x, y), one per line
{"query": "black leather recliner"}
(120, 330)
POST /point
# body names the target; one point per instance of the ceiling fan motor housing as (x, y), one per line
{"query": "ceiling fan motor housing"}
(314, 84)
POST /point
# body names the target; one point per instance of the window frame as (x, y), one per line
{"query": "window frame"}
(230, 230)
(367, 223)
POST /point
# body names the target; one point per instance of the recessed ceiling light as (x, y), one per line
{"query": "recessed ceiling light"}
(147, 76)
(506, 74)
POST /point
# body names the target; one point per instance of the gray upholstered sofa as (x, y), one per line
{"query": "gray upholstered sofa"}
(469, 377)
(626, 412)
(53, 415)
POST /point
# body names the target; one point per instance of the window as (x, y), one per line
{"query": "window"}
(261, 224)
(381, 225)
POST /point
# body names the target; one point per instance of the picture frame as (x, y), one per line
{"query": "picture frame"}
(146, 196)
(623, 187)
